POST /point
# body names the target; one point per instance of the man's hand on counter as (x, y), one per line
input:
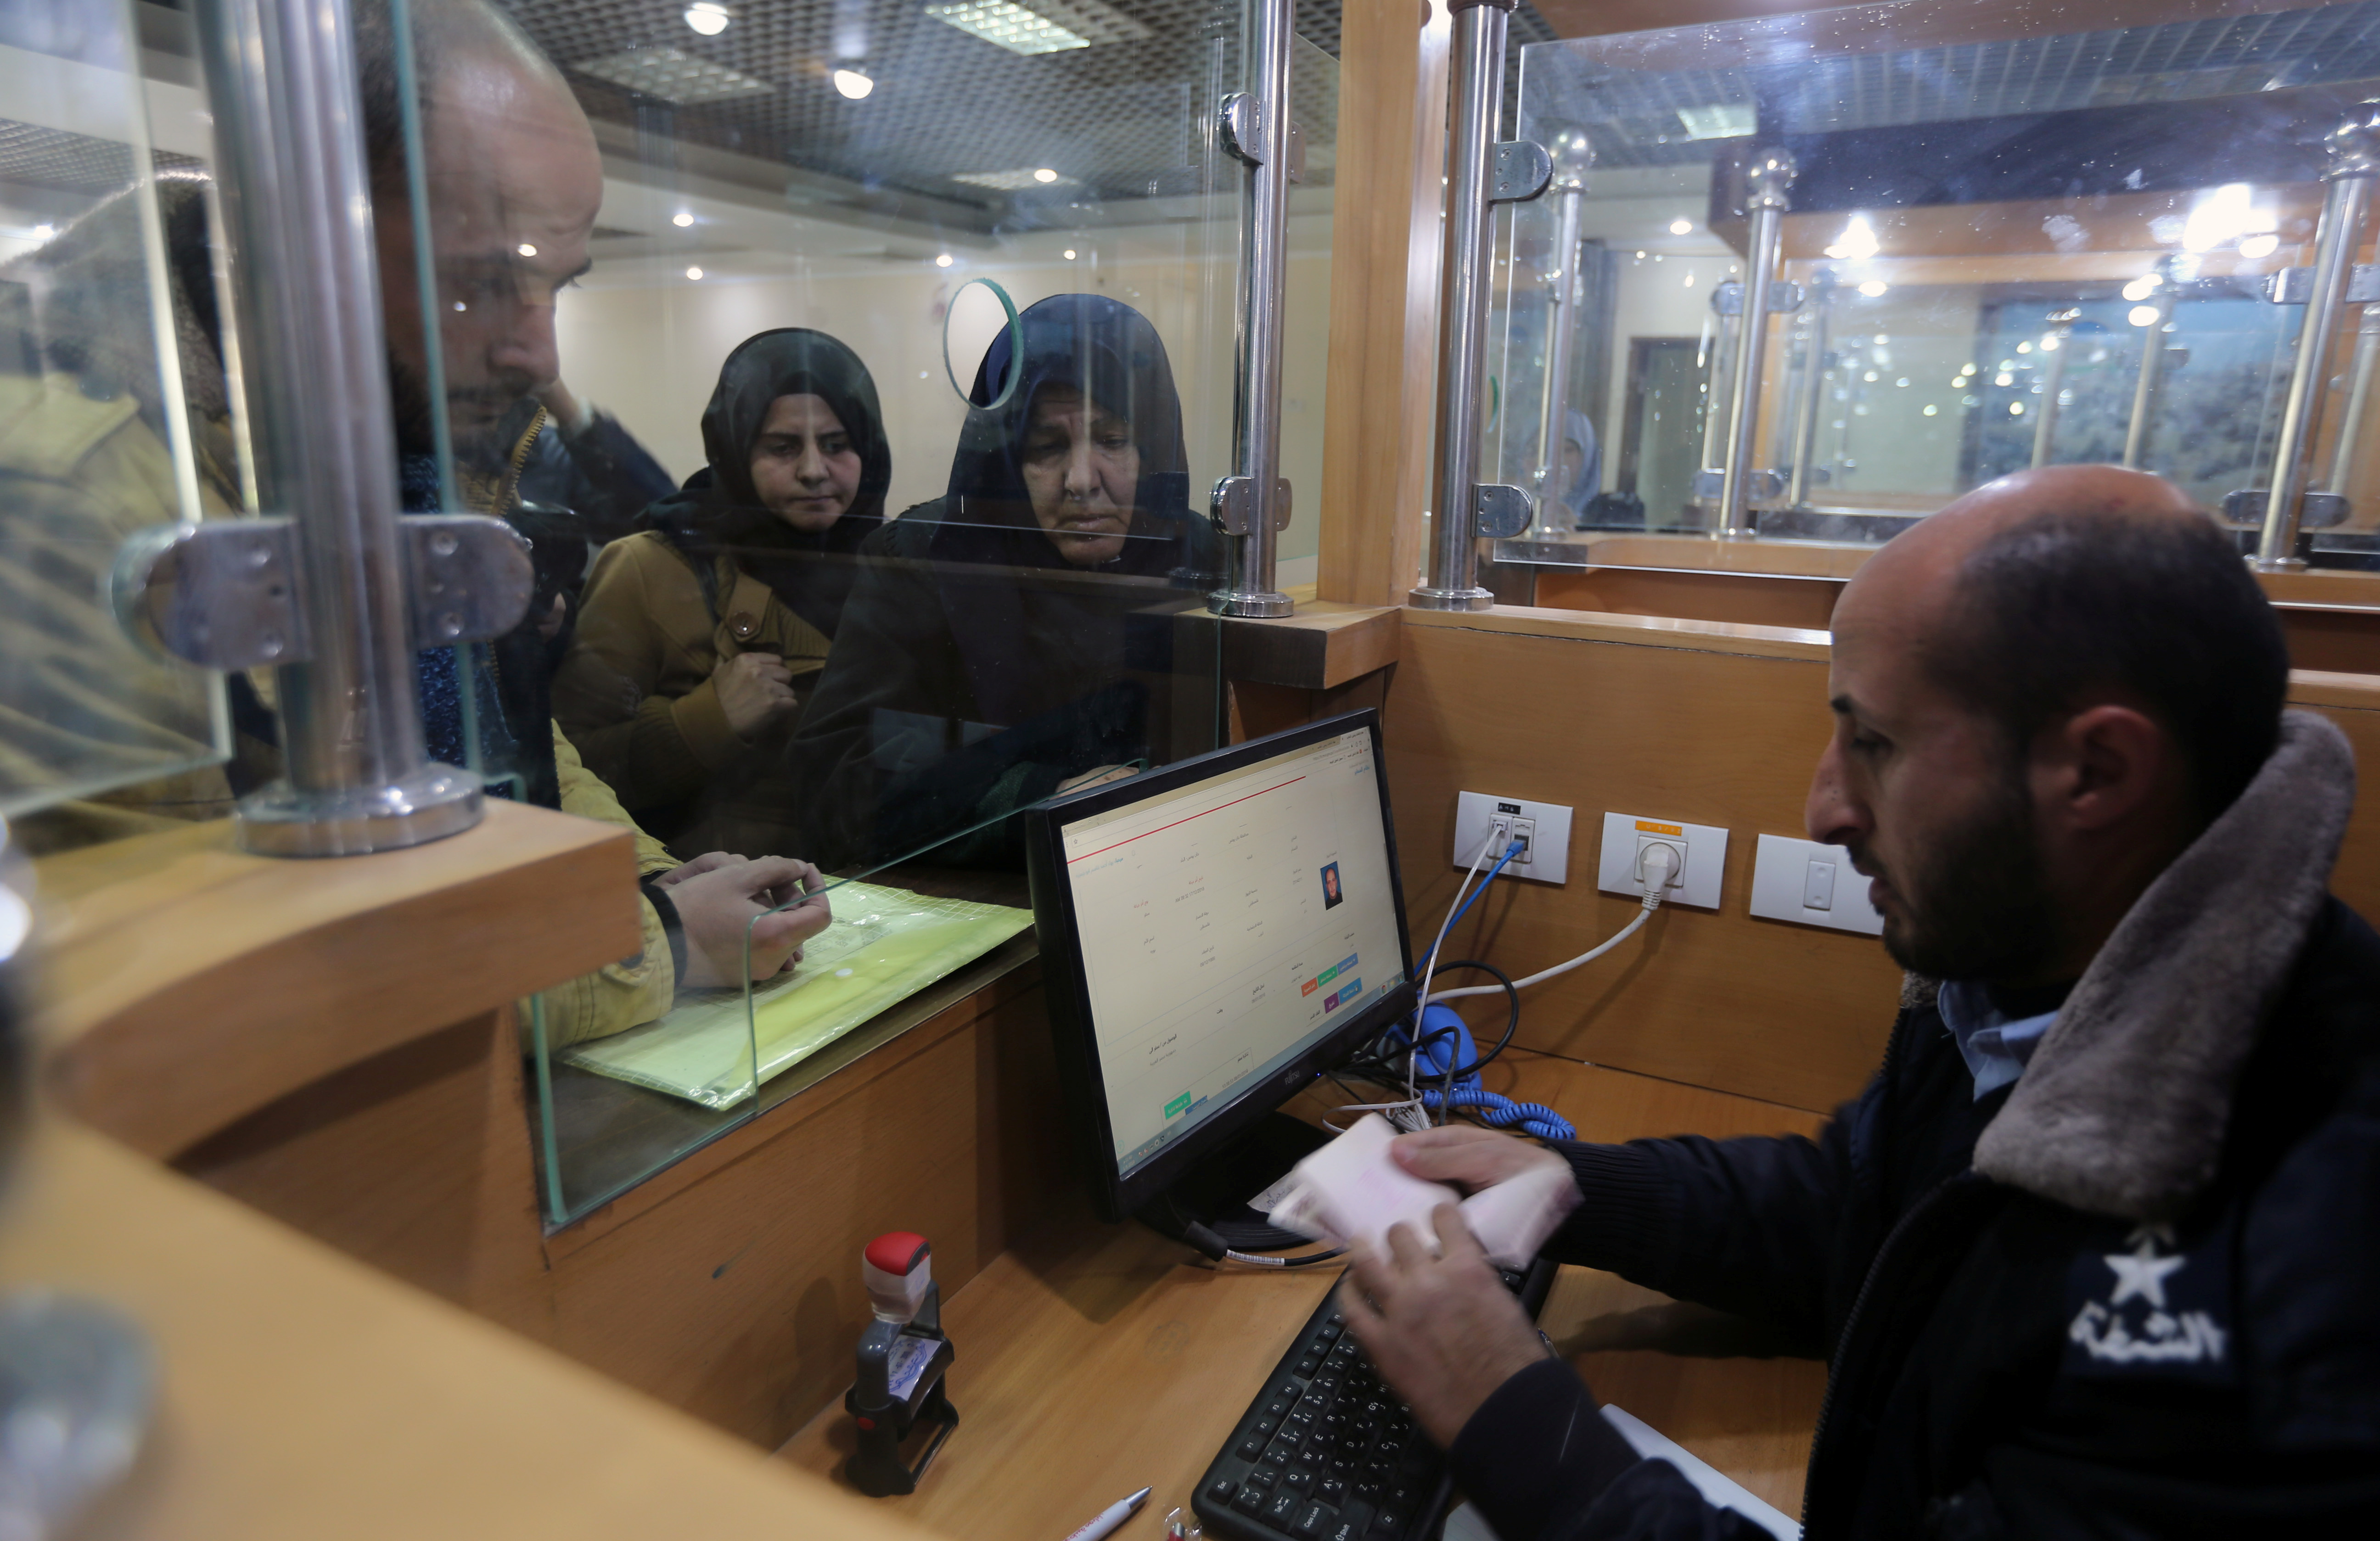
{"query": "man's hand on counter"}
(718, 895)
(1443, 1331)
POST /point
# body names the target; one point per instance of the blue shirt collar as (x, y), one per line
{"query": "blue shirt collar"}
(1995, 1045)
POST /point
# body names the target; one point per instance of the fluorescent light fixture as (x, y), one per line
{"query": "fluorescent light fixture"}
(1681, 227)
(2254, 247)
(1008, 26)
(943, 260)
(853, 83)
(2144, 315)
(674, 76)
(1873, 288)
(1857, 243)
(1015, 180)
(1730, 120)
(695, 273)
(682, 219)
(708, 18)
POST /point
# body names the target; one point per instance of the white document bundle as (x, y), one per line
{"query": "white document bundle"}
(1351, 1190)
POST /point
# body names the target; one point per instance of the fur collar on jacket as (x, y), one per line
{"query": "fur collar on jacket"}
(2124, 1107)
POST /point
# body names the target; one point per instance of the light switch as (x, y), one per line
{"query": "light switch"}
(1811, 884)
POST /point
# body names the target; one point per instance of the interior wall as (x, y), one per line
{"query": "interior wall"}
(1657, 300)
(649, 351)
(1704, 724)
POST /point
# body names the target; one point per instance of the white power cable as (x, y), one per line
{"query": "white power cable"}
(1654, 867)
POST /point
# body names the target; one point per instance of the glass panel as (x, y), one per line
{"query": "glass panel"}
(1997, 217)
(856, 372)
(1306, 343)
(97, 438)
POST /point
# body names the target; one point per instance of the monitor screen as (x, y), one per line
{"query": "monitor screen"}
(1227, 923)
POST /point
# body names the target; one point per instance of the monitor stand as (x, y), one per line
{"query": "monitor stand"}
(1215, 1191)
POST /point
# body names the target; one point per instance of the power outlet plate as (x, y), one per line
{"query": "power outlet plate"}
(1546, 826)
(1704, 846)
(1811, 884)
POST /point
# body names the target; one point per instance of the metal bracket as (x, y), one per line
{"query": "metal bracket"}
(2317, 511)
(1296, 151)
(1709, 485)
(221, 594)
(2295, 285)
(1240, 119)
(1520, 171)
(1501, 512)
(1784, 297)
(471, 577)
(1234, 505)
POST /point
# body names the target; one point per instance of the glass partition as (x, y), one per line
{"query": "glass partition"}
(858, 372)
(98, 437)
(2012, 238)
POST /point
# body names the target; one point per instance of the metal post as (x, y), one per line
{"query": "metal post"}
(2145, 387)
(2354, 153)
(2360, 376)
(1813, 384)
(1768, 185)
(297, 195)
(1574, 156)
(1256, 509)
(1475, 70)
(2059, 342)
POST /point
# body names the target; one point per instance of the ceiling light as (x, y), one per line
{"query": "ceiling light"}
(673, 76)
(681, 219)
(1008, 26)
(2145, 315)
(1690, 280)
(2142, 287)
(1015, 180)
(1857, 243)
(525, 250)
(1929, 410)
(853, 83)
(44, 232)
(2024, 347)
(2004, 378)
(2050, 344)
(695, 273)
(2016, 410)
(943, 260)
(2264, 245)
(2224, 214)
(708, 18)
(1043, 173)
(1873, 288)
(1730, 120)
(1070, 254)
(1682, 228)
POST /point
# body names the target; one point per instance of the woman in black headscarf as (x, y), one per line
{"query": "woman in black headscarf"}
(1011, 637)
(700, 636)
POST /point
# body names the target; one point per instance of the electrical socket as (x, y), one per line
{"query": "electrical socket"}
(1697, 882)
(1480, 817)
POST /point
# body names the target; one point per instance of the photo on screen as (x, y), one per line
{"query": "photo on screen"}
(1331, 892)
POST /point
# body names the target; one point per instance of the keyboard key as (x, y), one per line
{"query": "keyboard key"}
(1264, 1477)
(1250, 1448)
(1387, 1522)
(1354, 1521)
(1281, 1508)
(1223, 1490)
(1299, 1479)
(1333, 1491)
(1279, 1406)
(1370, 1490)
(1251, 1500)
(1281, 1453)
(1310, 1521)
(1306, 1366)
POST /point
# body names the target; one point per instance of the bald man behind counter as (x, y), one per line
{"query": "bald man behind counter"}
(2098, 1251)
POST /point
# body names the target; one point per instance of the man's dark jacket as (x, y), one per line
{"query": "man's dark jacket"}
(2135, 1294)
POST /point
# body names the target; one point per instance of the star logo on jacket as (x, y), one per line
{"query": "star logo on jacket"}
(2142, 1320)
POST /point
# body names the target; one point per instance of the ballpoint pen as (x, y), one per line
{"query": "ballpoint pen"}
(1111, 1516)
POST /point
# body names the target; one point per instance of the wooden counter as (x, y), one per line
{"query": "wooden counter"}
(1096, 1359)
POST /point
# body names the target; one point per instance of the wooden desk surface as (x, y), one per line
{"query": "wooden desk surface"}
(1094, 1359)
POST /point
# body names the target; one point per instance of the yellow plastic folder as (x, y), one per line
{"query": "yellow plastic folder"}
(885, 945)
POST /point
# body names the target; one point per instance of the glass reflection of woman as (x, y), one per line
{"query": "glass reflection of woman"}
(700, 636)
(1004, 639)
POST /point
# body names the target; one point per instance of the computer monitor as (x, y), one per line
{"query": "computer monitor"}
(1214, 934)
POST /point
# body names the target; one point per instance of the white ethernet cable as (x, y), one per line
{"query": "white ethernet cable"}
(1654, 869)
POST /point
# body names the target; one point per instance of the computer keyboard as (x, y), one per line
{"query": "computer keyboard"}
(1326, 1453)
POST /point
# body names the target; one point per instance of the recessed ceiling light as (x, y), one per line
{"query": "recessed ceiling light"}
(2260, 246)
(44, 232)
(2145, 315)
(854, 83)
(525, 250)
(695, 273)
(681, 219)
(1681, 227)
(1043, 173)
(1857, 242)
(943, 260)
(1873, 288)
(1070, 254)
(1052, 26)
(674, 76)
(708, 18)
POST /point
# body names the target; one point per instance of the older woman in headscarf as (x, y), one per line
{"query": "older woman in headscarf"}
(701, 634)
(1014, 637)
